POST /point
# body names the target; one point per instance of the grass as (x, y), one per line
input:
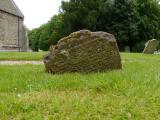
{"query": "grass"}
(29, 93)
(22, 56)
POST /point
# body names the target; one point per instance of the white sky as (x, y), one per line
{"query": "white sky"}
(37, 12)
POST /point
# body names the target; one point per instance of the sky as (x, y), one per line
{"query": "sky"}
(37, 12)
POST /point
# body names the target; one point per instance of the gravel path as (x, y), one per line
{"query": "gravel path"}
(20, 62)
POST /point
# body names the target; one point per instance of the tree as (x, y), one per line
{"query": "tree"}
(122, 21)
(47, 34)
(34, 39)
(132, 22)
(149, 23)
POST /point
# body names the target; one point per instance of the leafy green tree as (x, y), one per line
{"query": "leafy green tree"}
(80, 14)
(34, 39)
(44, 37)
(133, 22)
(47, 34)
(55, 28)
(149, 23)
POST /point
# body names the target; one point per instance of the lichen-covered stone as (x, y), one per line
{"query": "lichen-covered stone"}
(84, 51)
(151, 46)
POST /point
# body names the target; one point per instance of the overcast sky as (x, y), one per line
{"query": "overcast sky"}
(37, 12)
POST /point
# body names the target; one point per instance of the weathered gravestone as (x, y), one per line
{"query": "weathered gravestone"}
(151, 46)
(84, 51)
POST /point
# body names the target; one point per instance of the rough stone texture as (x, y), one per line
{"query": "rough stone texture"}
(23, 36)
(84, 51)
(12, 33)
(9, 6)
(151, 46)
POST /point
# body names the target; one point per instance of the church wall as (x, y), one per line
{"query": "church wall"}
(11, 32)
(23, 37)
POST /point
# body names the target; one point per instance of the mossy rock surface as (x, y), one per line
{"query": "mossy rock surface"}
(84, 51)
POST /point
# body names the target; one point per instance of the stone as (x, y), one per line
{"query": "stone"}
(157, 52)
(84, 51)
(151, 46)
(127, 49)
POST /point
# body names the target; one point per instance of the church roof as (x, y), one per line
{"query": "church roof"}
(9, 6)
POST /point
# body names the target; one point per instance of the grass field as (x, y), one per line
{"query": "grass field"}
(133, 93)
(22, 56)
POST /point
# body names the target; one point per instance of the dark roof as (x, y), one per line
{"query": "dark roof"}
(9, 6)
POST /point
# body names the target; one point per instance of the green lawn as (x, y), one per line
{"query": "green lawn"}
(28, 93)
(22, 55)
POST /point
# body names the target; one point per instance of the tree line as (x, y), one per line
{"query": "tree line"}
(132, 22)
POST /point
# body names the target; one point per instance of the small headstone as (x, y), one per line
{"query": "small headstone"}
(157, 52)
(127, 49)
(84, 51)
(151, 46)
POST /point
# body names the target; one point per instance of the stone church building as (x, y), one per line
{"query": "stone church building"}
(13, 35)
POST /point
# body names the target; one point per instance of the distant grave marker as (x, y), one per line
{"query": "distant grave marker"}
(151, 46)
(84, 51)
(127, 49)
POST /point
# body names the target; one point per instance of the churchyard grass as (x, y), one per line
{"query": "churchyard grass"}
(22, 55)
(133, 93)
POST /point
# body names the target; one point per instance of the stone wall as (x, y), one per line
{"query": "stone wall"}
(23, 43)
(11, 33)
